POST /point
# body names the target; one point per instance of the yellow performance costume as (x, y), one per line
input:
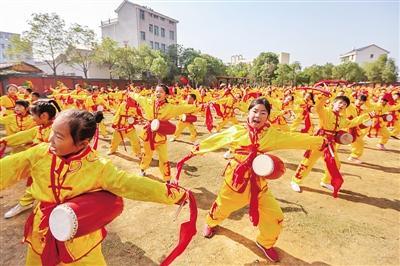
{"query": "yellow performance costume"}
(330, 123)
(357, 147)
(15, 123)
(379, 127)
(238, 189)
(124, 122)
(8, 102)
(95, 103)
(228, 103)
(56, 180)
(153, 140)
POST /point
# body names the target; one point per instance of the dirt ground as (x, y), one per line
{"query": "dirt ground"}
(361, 227)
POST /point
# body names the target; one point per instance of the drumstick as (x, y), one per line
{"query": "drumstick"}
(180, 207)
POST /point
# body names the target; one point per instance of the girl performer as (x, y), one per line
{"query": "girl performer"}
(20, 120)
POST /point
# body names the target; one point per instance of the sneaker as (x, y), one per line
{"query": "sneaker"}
(327, 186)
(172, 139)
(295, 186)
(381, 147)
(208, 231)
(17, 209)
(270, 253)
(142, 173)
(354, 160)
(228, 155)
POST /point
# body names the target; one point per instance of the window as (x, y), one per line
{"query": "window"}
(157, 45)
(155, 16)
(151, 27)
(162, 19)
(162, 32)
(171, 34)
(141, 14)
(371, 56)
(163, 47)
(143, 35)
(156, 31)
(151, 44)
(171, 22)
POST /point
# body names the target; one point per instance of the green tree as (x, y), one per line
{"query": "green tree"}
(106, 54)
(282, 75)
(389, 73)
(215, 67)
(240, 70)
(349, 71)
(48, 37)
(264, 67)
(159, 68)
(81, 48)
(186, 57)
(197, 70)
(381, 70)
(20, 48)
(126, 63)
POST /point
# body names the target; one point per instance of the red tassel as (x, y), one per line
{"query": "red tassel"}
(209, 119)
(337, 179)
(96, 138)
(307, 122)
(187, 231)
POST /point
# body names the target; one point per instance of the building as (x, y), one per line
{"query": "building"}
(236, 59)
(363, 55)
(5, 38)
(136, 25)
(284, 58)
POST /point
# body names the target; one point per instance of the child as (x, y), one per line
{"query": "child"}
(190, 99)
(242, 186)
(20, 120)
(43, 113)
(63, 169)
(8, 101)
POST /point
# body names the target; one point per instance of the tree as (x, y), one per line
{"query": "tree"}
(80, 51)
(126, 63)
(215, 67)
(197, 70)
(48, 38)
(19, 49)
(264, 67)
(240, 70)
(159, 68)
(381, 70)
(106, 54)
(389, 73)
(186, 57)
(349, 71)
(282, 74)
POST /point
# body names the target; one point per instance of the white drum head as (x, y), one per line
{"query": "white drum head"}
(346, 139)
(131, 120)
(63, 223)
(389, 118)
(155, 125)
(184, 117)
(368, 123)
(263, 165)
(100, 108)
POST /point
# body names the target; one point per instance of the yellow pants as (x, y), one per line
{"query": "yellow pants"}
(182, 125)
(27, 198)
(133, 139)
(103, 129)
(225, 121)
(357, 147)
(94, 257)
(163, 163)
(271, 216)
(307, 164)
(396, 128)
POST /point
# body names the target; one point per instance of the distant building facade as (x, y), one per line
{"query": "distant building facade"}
(137, 25)
(363, 55)
(5, 38)
(284, 58)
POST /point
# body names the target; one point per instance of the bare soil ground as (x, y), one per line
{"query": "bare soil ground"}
(361, 227)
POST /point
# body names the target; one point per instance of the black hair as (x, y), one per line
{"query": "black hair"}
(164, 87)
(82, 124)
(312, 96)
(193, 96)
(343, 98)
(262, 101)
(37, 94)
(29, 90)
(44, 106)
(362, 97)
(23, 103)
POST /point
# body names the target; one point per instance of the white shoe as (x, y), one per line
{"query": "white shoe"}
(142, 173)
(295, 186)
(110, 152)
(172, 139)
(228, 155)
(327, 186)
(17, 209)
(354, 160)
(381, 147)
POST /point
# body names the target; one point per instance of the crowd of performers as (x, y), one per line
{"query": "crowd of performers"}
(51, 143)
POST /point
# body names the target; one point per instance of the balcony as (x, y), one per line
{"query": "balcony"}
(109, 22)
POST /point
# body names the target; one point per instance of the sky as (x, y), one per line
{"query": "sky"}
(313, 32)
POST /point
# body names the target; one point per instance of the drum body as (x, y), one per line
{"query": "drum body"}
(387, 118)
(268, 166)
(131, 120)
(84, 214)
(343, 137)
(163, 127)
(366, 124)
(189, 118)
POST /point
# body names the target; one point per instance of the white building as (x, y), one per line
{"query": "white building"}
(236, 59)
(136, 25)
(284, 58)
(363, 55)
(5, 38)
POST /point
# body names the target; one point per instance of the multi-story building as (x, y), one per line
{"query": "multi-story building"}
(284, 58)
(5, 38)
(136, 25)
(363, 55)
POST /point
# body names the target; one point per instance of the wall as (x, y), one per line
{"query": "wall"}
(364, 55)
